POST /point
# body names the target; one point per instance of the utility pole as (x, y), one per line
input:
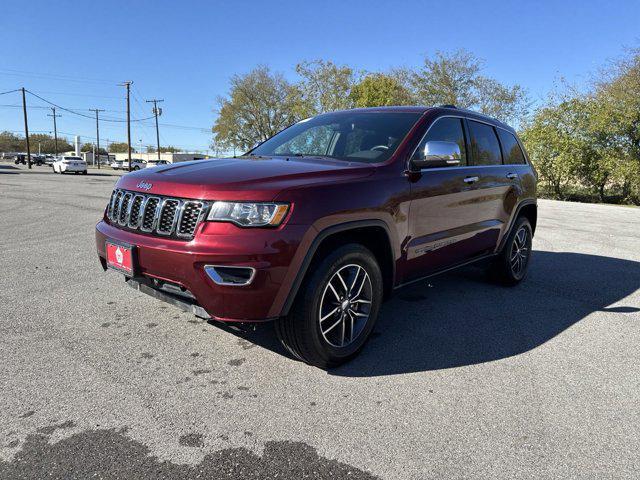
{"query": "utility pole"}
(55, 128)
(157, 112)
(97, 110)
(128, 85)
(26, 127)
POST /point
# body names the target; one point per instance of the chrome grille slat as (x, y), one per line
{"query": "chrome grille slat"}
(123, 212)
(156, 215)
(189, 218)
(134, 211)
(168, 216)
(115, 212)
(149, 215)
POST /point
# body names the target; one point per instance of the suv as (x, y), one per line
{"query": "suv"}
(136, 164)
(317, 225)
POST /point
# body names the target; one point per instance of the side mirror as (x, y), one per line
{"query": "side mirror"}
(438, 154)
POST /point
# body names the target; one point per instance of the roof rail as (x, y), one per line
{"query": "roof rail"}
(447, 105)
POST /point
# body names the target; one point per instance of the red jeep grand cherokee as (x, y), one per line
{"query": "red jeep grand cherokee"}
(317, 225)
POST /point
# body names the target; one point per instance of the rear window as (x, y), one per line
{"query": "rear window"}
(485, 148)
(511, 150)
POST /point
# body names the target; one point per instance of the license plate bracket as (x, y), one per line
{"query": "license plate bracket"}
(121, 257)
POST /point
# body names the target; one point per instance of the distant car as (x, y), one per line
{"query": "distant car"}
(67, 164)
(49, 159)
(22, 158)
(157, 163)
(136, 164)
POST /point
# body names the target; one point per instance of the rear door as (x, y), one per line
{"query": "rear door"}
(460, 212)
(498, 184)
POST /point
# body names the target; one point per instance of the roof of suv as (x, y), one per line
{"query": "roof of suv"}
(439, 109)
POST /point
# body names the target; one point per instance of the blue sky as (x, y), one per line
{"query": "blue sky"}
(75, 53)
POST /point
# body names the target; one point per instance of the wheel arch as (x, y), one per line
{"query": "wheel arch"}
(526, 208)
(373, 234)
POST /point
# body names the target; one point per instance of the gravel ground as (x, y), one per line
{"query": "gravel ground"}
(462, 379)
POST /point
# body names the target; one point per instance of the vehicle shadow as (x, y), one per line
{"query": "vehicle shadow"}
(461, 318)
(10, 169)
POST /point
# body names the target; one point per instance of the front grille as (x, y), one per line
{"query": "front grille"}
(166, 216)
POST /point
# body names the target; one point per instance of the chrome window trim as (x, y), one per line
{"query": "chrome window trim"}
(413, 152)
(461, 117)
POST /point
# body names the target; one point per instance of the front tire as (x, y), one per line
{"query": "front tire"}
(511, 266)
(335, 309)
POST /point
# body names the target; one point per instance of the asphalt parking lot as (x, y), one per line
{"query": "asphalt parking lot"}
(462, 378)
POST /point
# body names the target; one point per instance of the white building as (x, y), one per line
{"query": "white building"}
(170, 157)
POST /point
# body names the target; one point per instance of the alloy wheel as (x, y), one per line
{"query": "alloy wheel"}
(345, 305)
(520, 251)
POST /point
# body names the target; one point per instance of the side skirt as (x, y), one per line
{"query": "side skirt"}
(447, 269)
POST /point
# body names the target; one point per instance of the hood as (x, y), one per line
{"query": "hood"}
(245, 178)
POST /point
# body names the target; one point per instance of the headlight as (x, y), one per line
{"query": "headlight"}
(248, 214)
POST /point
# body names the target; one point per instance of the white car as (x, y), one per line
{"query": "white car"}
(157, 163)
(67, 164)
(136, 164)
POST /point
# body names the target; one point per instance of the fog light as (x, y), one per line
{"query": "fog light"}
(231, 276)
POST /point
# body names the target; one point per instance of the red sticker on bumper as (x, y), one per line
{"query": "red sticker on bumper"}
(120, 258)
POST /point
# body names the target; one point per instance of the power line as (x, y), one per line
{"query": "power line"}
(82, 114)
(74, 78)
(10, 91)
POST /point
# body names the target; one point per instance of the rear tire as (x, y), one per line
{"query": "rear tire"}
(335, 309)
(512, 264)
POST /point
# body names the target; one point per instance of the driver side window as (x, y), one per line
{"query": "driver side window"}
(447, 129)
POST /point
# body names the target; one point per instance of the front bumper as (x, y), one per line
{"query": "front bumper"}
(271, 252)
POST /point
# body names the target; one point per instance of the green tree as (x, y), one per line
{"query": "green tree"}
(119, 147)
(552, 147)
(259, 105)
(617, 118)
(455, 78)
(166, 149)
(10, 142)
(88, 147)
(378, 89)
(568, 148)
(324, 86)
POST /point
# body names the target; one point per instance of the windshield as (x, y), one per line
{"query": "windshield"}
(369, 137)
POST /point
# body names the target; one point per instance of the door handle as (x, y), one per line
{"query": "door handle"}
(512, 176)
(470, 179)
